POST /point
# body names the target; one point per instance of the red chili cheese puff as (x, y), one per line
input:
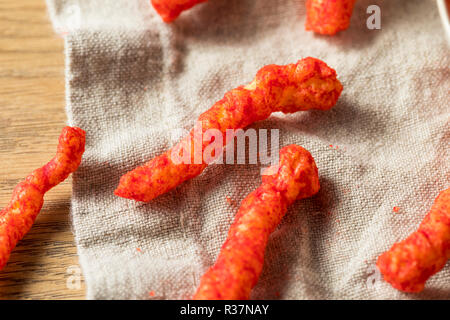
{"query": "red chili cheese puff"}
(241, 258)
(169, 10)
(409, 264)
(307, 84)
(28, 197)
(328, 16)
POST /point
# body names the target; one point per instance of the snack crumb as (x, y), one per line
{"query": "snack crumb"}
(230, 201)
(333, 147)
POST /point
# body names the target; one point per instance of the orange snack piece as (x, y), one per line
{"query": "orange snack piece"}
(28, 197)
(328, 16)
(307, 84)
(241, 258)
(409, 264)
(169, 10)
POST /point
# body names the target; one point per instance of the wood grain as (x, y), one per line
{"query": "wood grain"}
(32, 116)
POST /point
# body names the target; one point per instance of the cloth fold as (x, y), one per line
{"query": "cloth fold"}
(133, 82)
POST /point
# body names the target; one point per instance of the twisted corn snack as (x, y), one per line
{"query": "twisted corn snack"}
(409, 264)
(328, 16)
(28, 197)
(169, 10)
(241, 258)
(307, 84)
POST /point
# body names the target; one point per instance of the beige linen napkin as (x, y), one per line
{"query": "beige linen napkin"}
(132, 81)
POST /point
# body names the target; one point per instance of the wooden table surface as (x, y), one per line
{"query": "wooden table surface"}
(32, 116)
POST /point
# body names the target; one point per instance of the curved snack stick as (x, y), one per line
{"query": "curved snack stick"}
(241, 258)
(169, 10)
(307, 84)
(28, 197)
(328, 16)
(409, 264)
